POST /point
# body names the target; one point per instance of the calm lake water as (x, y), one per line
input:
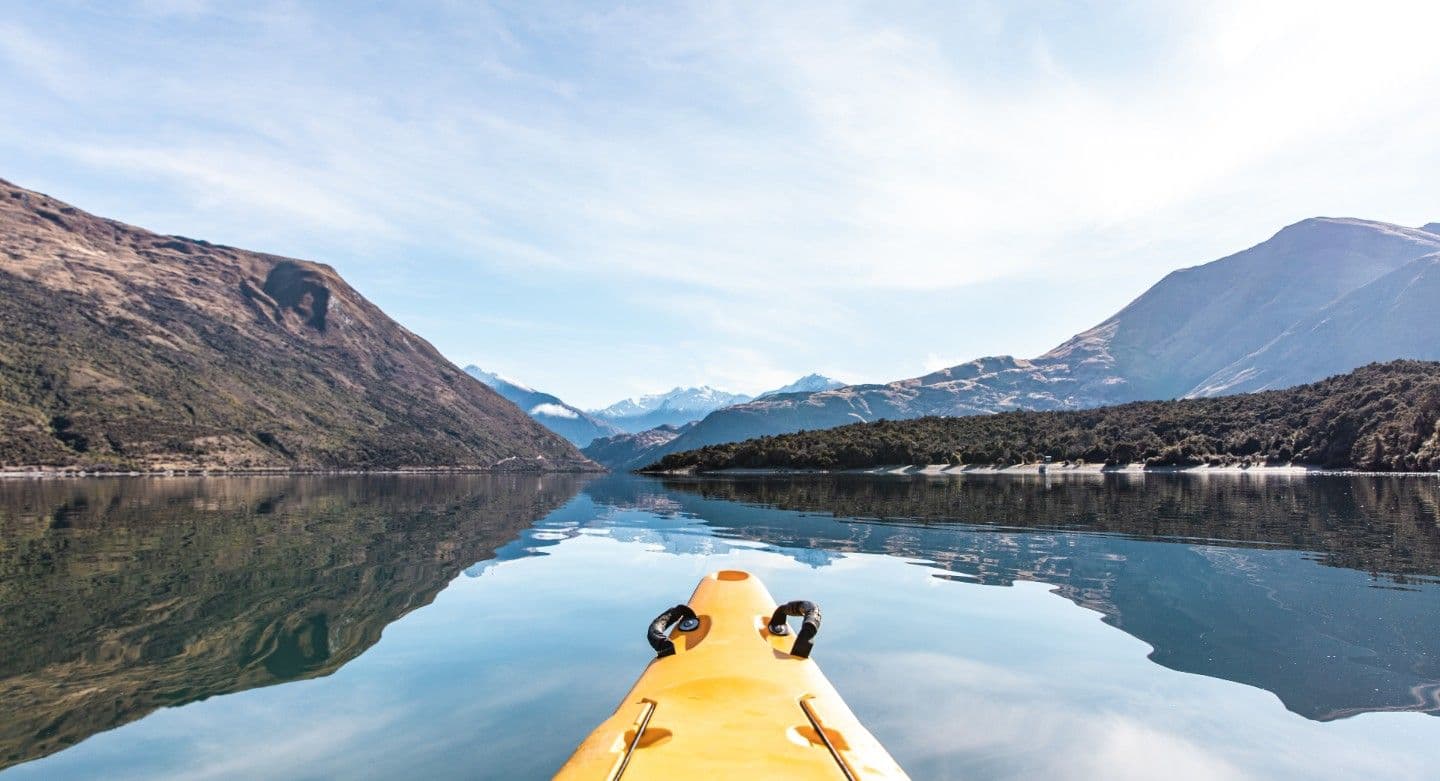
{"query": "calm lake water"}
(479, 627)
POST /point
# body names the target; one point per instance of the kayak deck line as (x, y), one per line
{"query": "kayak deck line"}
(830, 745)
(647, 709)
(732, 693)
(820, 730)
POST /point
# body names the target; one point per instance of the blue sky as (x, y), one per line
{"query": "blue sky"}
(610, 201)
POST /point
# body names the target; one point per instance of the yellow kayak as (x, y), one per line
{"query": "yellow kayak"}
(732, 693)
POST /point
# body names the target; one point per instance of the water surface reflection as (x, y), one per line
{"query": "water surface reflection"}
(1232, 593)
(119, 598)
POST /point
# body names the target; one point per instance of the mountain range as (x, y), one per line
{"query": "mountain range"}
(675, 407)
(122, 349)
(1320, 297)
(679, 406)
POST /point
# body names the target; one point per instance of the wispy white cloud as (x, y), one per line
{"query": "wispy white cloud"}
(36, 58)
(553, 410)
(223, 177)
(788, 175)
(174, 7)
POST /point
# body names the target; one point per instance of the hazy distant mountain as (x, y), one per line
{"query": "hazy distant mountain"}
(567, 421)
(1176, 339)
(675, 408)
(810, 383)
(1197, 321)
(627, 451)
(973, 388)
(680, 406)
(1396, 315)
(121, 349)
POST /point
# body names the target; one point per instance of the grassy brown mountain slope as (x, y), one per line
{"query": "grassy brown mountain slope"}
(1383, 417)
(124, 349)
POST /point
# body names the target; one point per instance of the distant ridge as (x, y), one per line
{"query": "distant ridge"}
(121, 349)
(569, 422)
(631, 450)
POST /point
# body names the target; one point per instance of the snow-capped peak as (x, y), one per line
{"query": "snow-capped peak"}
(702, 399)
(810, 383)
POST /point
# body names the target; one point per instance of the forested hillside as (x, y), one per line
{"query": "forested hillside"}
(1380, 417)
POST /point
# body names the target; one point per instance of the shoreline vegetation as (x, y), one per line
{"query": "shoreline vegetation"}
(1378, 418)
(1048, 470)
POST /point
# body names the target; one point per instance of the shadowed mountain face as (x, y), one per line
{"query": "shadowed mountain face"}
(1320, 591)
(123, 596)
(1201, 329)
(124, 349)
(632, 451)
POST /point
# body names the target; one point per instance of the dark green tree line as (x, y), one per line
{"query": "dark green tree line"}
(1381, 417)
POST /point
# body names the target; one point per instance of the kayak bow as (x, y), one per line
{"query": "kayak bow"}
(732, 693)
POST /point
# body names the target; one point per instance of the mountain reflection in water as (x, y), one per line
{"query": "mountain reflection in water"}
(1219, 575)
(121, 596)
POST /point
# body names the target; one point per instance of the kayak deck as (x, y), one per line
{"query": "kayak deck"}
(732, 701)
